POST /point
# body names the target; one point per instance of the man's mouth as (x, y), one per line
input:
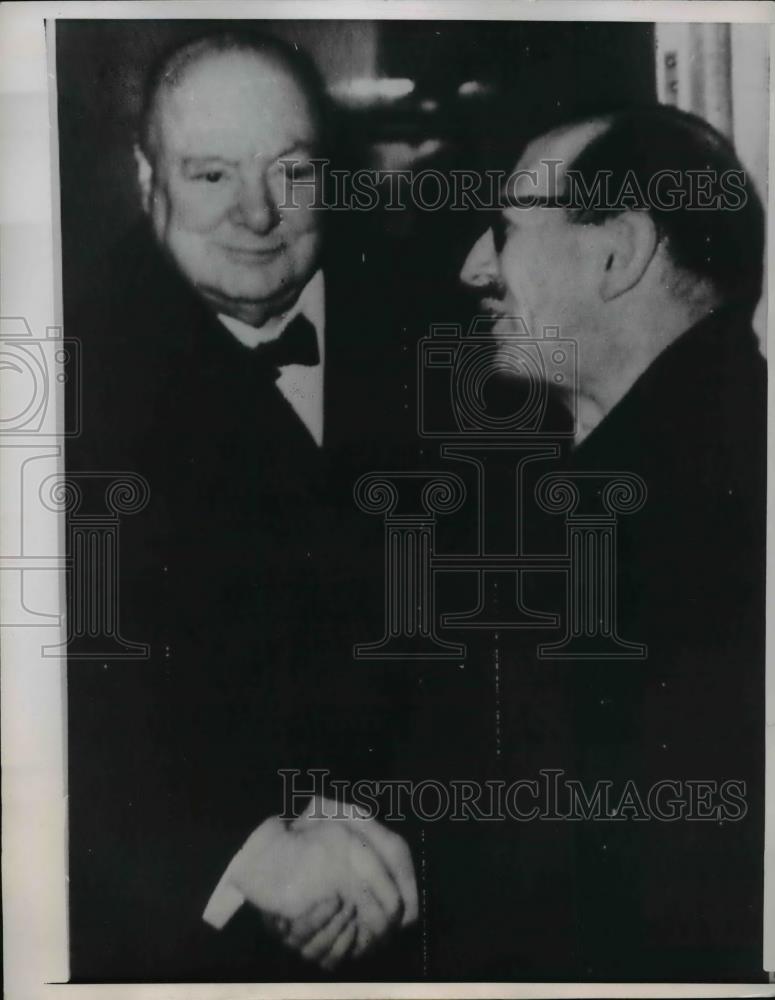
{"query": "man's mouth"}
(492, 307)
(253, 255)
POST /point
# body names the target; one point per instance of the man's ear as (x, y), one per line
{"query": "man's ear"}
(144, 178)
(630, 248)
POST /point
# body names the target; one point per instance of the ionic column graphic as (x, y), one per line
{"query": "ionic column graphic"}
(591, 573)
(92, 562)
(500, 563)
(410, 613)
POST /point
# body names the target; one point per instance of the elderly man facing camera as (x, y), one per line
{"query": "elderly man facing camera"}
(226, 362)
(607, 235)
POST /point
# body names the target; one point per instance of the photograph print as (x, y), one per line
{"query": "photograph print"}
(416, 504)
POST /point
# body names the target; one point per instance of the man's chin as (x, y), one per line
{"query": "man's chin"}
(248, 306)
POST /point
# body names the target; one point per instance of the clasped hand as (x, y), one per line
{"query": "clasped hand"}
(331, 884)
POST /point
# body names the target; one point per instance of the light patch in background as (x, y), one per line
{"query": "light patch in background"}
(721, 72)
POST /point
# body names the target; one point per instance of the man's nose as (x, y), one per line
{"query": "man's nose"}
(255, 206)
(480, 269)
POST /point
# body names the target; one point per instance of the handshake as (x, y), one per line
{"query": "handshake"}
(331, 884)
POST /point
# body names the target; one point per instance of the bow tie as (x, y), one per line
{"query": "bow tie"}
(296, 345)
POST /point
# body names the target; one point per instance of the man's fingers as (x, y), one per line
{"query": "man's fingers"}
(309, 923)
(391, 849)
(341, 947)
(370, 870)
(320, 945)
(363, 941)
(395, 853)
(368, 880)
(370, 913)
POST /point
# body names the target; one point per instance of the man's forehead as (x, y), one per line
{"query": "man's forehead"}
(539, 173)
(235, 94)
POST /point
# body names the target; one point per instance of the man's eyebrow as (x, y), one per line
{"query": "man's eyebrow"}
(300, 146)
(189, 161)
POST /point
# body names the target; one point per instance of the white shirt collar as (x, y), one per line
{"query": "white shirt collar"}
(311, 303)
(301, 385)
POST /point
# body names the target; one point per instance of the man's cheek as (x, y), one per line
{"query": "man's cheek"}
(199, 213)
(303, 249)
(302, 221)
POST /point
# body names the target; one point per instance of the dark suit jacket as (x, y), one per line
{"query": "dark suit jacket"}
(629, 899)
(245, 573)
(682, 900)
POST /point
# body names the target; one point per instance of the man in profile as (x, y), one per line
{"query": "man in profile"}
(226, 362)
(658, 293)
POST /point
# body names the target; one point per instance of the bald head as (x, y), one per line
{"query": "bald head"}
(210, 56)
(687, 177)
(558, 149)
